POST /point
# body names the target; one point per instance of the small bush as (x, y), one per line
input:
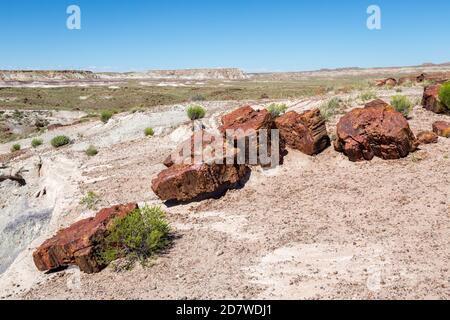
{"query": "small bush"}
(198, 97)
(36, 142)
(195, 112)
(60, 141)
(136, 237)
(90, 200)
(368, 95)
(277, 109)
(106, 115)
(331, 108)
(402, 104)
(444, 95)
(91, 151)
(15, 147)
(149, 132)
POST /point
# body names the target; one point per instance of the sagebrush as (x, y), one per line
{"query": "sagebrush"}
(402, 104)
(195, 112)
(60, 141)
(444, 95)
(277, 109)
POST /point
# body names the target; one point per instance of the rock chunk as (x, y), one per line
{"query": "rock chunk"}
(430, 100)
(79, 243)
(374, 131)
(442, 128)
(305, 132)
(426, 137)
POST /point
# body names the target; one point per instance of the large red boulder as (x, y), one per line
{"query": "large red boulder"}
(245, 127)
(79, 243)
(430, 100)
(185, 182)
(371, 131)
(442, 128)
(305, 132)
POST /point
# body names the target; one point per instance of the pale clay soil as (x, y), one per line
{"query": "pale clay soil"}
(315, 228)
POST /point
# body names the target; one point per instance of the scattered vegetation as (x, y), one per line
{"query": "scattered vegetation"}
(444, 94)
(402, 104)
(15, 147)
(277, 109)
(195, 112)
(36, 142)
(149, 132)
(60, 141)
(136, 237)
(91, 151)
(367, 96)
(198, 97)
(106, 115)
(331, 108)
(90, 200)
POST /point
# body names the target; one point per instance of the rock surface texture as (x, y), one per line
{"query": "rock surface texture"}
(375, 130)
(442, 128)
(79, 243)
(430, 100)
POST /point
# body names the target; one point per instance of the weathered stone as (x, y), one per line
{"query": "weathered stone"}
(374, 131)
(430, 100)
(426, 137)
(376, 103)
(194, 181)
(442, 128)
(79, 243)
(305, 132)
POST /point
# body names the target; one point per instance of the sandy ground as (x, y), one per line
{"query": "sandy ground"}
(314, 228)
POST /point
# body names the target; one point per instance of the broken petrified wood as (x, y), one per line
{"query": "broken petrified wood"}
(80, 243)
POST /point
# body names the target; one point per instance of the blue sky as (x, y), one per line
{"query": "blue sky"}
(255, 35)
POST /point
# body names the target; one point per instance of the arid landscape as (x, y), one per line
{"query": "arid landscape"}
(315, 227)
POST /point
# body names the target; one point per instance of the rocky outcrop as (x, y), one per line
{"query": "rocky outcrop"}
(79, 243)
(380, 131)
(430, 100)
(426, 137)
(305, 132)
(197, 74)
(442, 128)
(245, 127)
(42, 75)
(391, 82)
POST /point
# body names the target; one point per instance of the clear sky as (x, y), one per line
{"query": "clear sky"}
(255, 35)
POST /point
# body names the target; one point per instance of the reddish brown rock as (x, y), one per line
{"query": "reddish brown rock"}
(245, 125)
(442, 128)
(374, 131)
(305, 132)
(189, 182)
(391, 82)
(430, 100)
(200, 148)
(426, 137)
(79, 243)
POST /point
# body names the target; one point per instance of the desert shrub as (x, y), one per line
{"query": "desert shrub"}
(106, 115)
(36, 142)
(195, 112)
(90, 200)
(398, 90)
(15, 147)
(277, 109)
(60, 141)
(402, 104)
(444, 94)
(136, 237)
(198, 97)
(330, 108)
(368, 95)
(91, 151)
(149, 132)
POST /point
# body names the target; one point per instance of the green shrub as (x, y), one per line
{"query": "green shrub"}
(277, 109)
(15, 147)
(136, 237)
(91, 151)
(149, 132)
(198, 97)
(195, 112)
(444, 95)
(60, 141)
(36, 142)
(330, 108)
(402, 104)
(90, 200)
(106, 115)
(368, 95)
